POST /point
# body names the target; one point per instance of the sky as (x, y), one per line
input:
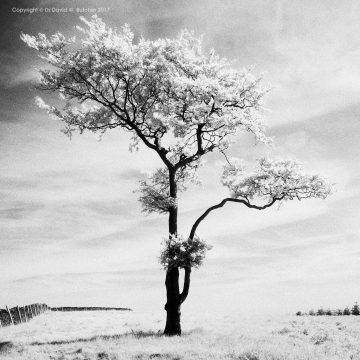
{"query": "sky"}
(71, 229)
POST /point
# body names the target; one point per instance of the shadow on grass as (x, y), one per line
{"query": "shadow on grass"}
(6, 346)
(136, 334)
(165, 356)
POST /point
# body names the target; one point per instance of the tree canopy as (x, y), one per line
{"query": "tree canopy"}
(173, 96)
(169, 93)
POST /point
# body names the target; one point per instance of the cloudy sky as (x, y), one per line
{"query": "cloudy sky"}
(72, 232)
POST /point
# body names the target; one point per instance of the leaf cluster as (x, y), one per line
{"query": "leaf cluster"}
(282, 180)
(178, 251)
(154, 191)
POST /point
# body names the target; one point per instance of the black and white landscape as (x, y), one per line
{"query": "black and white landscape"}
(195, 162)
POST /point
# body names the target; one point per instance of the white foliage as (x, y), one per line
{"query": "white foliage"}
(155, 191)
(178, 251)
(167, 87)
(283, 180)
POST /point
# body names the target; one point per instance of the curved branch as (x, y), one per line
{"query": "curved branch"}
(185, 291)
(222, 203)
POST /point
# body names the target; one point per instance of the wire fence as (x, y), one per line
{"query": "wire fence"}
(21, 314)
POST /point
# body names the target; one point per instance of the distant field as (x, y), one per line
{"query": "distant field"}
(116, 335)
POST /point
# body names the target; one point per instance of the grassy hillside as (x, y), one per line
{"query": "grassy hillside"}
(131, 335)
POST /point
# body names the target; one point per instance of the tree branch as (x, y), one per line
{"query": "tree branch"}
(124, 116)
(222, 203)
(185, 291)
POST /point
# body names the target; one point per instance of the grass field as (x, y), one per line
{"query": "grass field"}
(131, 335)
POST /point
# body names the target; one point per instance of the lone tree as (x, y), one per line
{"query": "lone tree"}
(180, 102)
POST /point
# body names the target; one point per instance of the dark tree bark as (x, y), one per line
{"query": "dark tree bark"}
(175, 299)
(172, 307)
(173, 295)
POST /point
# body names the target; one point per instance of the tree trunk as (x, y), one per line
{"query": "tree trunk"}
(172, 306)
(173, 303)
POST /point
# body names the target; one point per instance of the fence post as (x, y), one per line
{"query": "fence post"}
(18, 310)
(11, 318)
(26, 318)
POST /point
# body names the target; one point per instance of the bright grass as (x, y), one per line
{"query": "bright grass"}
(131, 335)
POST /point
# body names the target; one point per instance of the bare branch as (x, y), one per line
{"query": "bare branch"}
(222, 203)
